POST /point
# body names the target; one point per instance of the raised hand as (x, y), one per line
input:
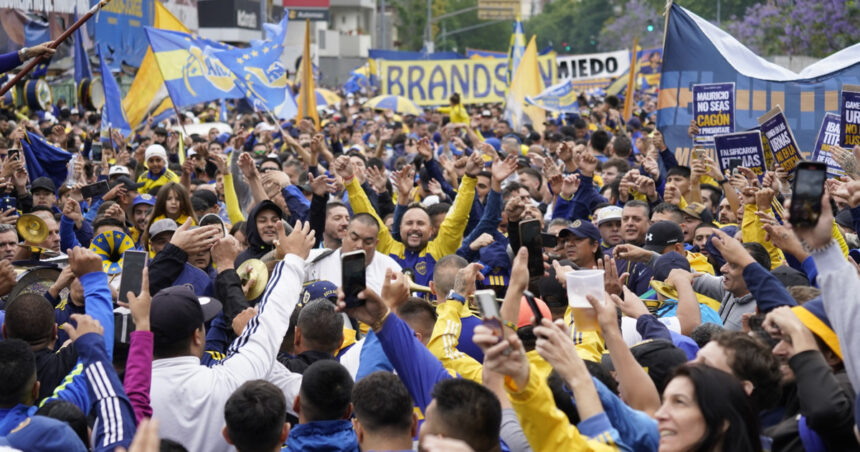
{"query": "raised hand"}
(322, 184)
(84, 325)
(405, 180)
(343, 168)
(194, 241)
(395, 289)
(569, 186)
(140, 304)
(299, 242)
(84, 261)
(377, 178)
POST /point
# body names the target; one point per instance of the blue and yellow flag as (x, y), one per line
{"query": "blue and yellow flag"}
(191, 70)
(261, 75)
(516, 51)
(112, 114)
(527, 82)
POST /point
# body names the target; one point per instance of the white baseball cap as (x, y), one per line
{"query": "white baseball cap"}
(118, 170)
(608, 213)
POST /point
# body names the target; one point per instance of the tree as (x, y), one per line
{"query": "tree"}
(576, 22)
(798, 27)
(638, 18)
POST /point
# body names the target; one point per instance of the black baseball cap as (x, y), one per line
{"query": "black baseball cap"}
(127, 182)
(43, 183)
(668, 262)
(662, 234)
(176, 312)
(658, 357)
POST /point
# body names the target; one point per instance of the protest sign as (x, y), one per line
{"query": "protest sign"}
(828, 137)
(740, 149)
(432, 82)
(849, 130)
(776, 130)
(593, 65)
(713, 110)
(697, 51)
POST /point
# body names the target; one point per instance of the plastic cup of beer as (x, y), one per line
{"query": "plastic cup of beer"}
(581, 283)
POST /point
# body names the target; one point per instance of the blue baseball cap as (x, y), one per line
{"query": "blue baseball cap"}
(144, 198)
(43, 434)
(581, 229)
(668, 262)
(318, 289)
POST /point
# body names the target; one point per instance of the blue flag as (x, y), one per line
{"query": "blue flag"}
(697, 51)
(261, 75)
(191, 71)
(112, 114)
(45, 159)
(559, 98)
(82, 63)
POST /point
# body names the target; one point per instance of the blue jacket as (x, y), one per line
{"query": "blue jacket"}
(634, 427)
(326, 436)
(582, 203)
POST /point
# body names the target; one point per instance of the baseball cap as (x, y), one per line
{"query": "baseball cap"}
(526, 314)
(668, 262)
(658, 357)
(176, 312)
(812, 315)
(43, 183)
(487, 114)
(608, 213)
(144, 198)
(163, 225)
(211, 218)
(318, 289)
(118, 170)
(581, 229)
(790, 277)
(845, 219)
(662, 234)
(698, 210)
(43, 434)
(127, 182)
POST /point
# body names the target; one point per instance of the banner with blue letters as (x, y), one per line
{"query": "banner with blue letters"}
(828, 138)
(713, 110)
(740, 149)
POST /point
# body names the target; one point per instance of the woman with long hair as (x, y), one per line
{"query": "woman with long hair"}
(706, 410)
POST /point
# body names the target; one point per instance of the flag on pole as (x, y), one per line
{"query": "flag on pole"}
(45, 159)
(516, 50)
(112, 115)
(148, 95)
(307, 101)
(261, 76)
(222, 112)
(82, 64)
(190, 68)
(527, 82)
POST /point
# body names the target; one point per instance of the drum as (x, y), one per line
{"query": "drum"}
(37, 93)
(91, 93)
(35, 280)
(10, 99)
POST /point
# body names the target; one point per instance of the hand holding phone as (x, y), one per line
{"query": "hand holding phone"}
(530, 237)
(490, 315)
(133, 263)
(530, 299)
(806, 193)
(353, 279)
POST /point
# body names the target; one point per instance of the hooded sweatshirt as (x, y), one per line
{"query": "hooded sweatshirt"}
(256, 246)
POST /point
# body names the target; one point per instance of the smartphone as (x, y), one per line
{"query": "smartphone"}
(734, 166)
(8, 202)
(489, 307)
(806, 193)
(353, 277)
(530, 237)
(699, 152)
(549, 240)
(132, 273)
(13, 154)
(530, 299)
(96, 151)
(755, 323)
(94, 190)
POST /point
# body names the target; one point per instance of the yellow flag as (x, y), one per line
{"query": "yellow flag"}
(527, 82)
(631, 83)
(307, 101)
(148, 95)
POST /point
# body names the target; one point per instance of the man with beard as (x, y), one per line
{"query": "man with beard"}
(336, 223)
(140, 210)
(417, 251)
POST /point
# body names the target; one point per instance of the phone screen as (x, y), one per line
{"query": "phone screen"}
(549, 240)
(489, 307)
(352, 277)
(806, 193)
(530, 237)
(132, 273)
(530, 299)
(97, 189)
(12, 154)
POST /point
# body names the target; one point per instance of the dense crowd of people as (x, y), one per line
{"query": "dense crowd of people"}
(720, 326)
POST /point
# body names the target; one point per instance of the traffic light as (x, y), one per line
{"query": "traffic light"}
(650, 26)
(566, 46)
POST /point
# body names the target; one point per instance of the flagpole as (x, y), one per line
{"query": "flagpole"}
(631, 83)
(53, 45)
